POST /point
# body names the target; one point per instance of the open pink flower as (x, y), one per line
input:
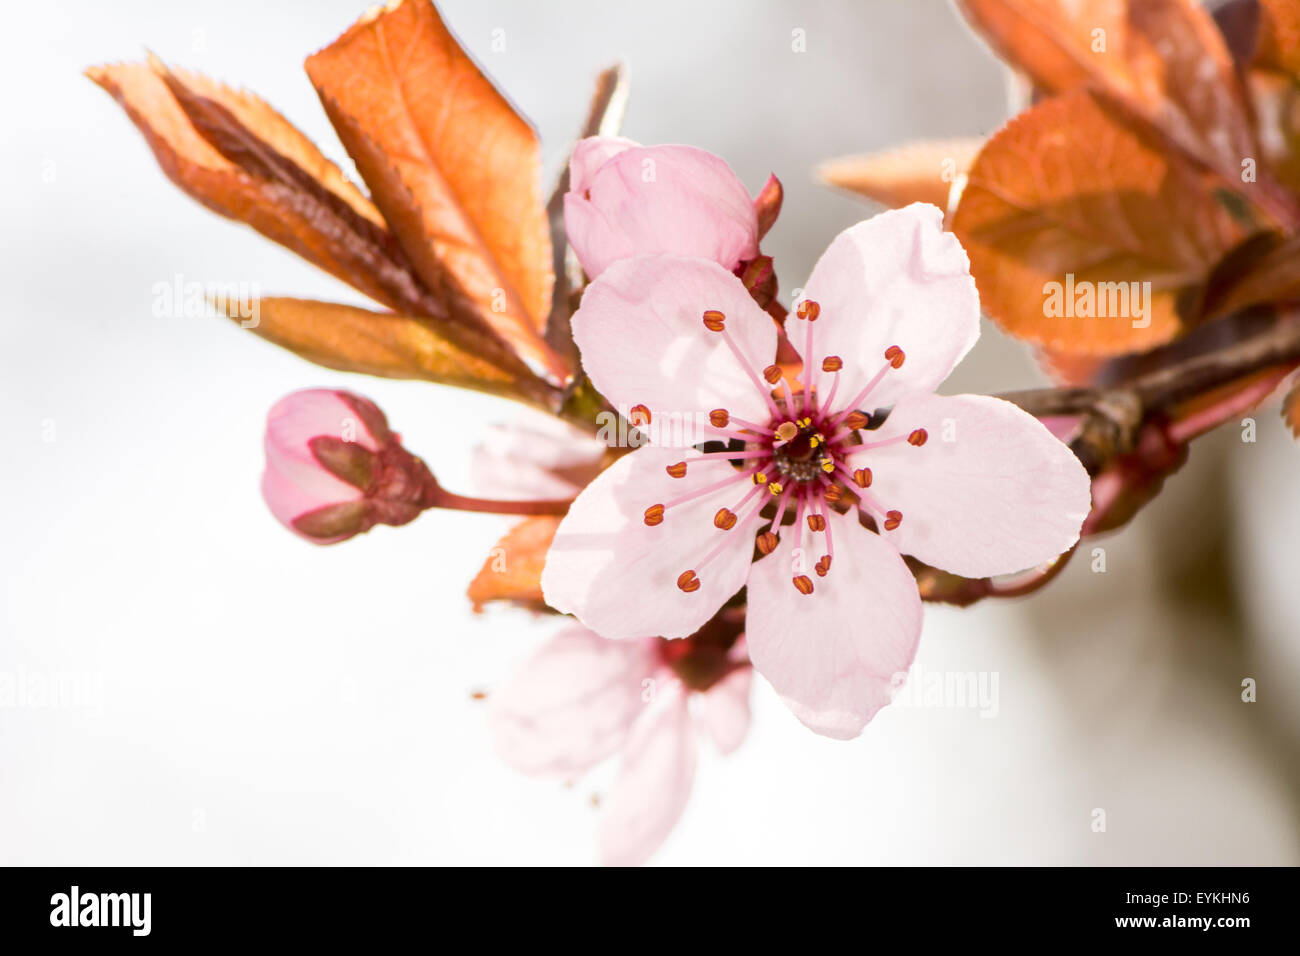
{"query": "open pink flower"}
(795, 499)
(626, 200)
(581, 699)
(334, 469)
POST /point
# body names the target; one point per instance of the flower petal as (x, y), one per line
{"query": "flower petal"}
(724, 709)
(833, 655)
(571, 704)
(895, 279)
(991, 491)
(590, 154)
(654, 783)
(619, 577)
(536, 457)
(643, 341)
(656, 200)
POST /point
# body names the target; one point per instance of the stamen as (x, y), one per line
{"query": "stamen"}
(803, 584)
(832, 494)
(716, 325)
(816, 522)
(893, 519)
(885, 442)
(639, 415)
(677, 471)
(688, 582)
(724, 520)
(808, 309)
(823, 565)
(832, 363)
(772, 374)
(706, 489)
(893, 359)
(767, 542)
(719, 418)
(917, 437)
(654, 515)
(862, 477)
(855, 420)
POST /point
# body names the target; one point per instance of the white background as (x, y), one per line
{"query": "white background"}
(254, 699)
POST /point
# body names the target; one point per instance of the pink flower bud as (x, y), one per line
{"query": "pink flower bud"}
(334, 470)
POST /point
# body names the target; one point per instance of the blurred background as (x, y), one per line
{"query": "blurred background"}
(233, 695)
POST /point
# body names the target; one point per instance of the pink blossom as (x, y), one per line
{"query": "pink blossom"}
(334, 469)
(581, 699)
(535, 457)
(627, 200)
(967, 483)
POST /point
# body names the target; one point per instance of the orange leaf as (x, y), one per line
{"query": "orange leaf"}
(1276, 98)
(450, 163)
(1077, 187)
(393, 346)
(1291, 409)
(1279, 36)
(513, 570)
(239, 157)
(1165, 59)
(916, 172)
(1264, 270)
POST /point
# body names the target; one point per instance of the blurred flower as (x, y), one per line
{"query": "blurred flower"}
(661, 539)
(580, 699)
(334, 470)
(627, 200)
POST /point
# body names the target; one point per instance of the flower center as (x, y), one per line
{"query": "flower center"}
(797, 461)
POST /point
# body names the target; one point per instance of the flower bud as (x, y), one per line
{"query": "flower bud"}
(334, 469)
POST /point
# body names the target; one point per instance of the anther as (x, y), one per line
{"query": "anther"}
(719, 418)
(862, 477)
(760, 477)
(855, 420)
(808, 309)
(828, 465)
(894, 356)
(832, 363)
(677, 471)
(893, 519)
(654, 515)
(724, 520)
(688, 582)
(639, 415)
(833, 494)
(772, 374)
(714, 320)
(817, 522)
(775, 488)
(917, 437)
(803, 584)
(822, 566)
(767, 542)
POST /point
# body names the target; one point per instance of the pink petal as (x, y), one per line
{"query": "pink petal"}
(991, 491)
(536, 458)
(643, 340)
(654, 783)
(590, 154)
(895, 279)
(619, 577)
(570, 705)
(294, 482)
(724, 709)
(832, 655)
(657, 200)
